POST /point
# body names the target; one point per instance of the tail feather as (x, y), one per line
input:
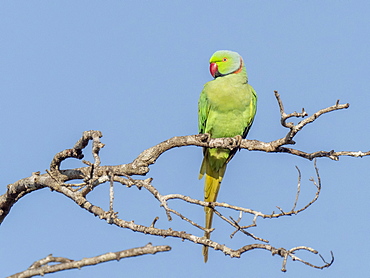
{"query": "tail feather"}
(212, 184)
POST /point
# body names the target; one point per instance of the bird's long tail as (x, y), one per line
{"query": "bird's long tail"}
(212, 184)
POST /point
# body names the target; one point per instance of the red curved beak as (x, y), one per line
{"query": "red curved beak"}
(213, 68)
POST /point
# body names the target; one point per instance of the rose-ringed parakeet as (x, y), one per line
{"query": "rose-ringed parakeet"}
(226, 108)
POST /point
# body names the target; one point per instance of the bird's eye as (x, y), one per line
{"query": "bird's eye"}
(224, 59)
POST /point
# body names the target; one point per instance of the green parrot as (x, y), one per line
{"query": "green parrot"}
(226, 108)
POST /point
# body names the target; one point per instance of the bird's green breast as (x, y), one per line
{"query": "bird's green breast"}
(231, 106)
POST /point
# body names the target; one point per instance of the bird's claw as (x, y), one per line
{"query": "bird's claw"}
(205, 137)
(237, 140)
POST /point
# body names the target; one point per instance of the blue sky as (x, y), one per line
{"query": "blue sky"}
(134, 70)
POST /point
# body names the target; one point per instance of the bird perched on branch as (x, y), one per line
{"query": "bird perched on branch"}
(226, 108)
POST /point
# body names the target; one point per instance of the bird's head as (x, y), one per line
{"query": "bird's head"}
(224, 62)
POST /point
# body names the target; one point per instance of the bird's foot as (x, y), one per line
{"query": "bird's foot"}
(236, 142)
(205, 137)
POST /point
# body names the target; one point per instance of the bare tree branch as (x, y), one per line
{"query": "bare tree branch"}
(101, 176)
(94, 175)
(43, 266)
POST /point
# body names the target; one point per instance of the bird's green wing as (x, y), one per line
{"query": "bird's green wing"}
(249, 117)
(203, 109)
